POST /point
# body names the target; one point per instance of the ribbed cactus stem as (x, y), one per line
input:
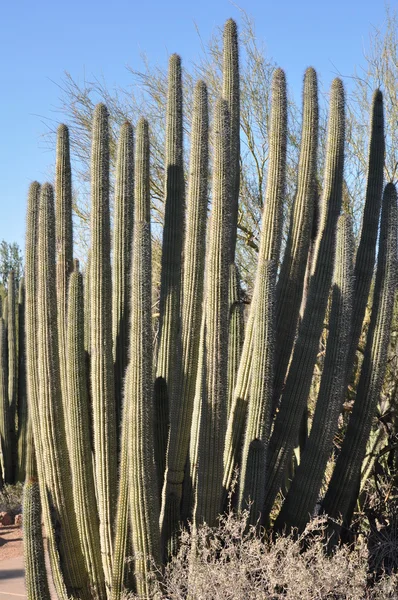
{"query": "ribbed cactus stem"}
(365, 257)
(80, 456)
(169, 350)
(191, 308)
(5, 438)
(55, 464)
(209, 491)
(298, 383)
(231, 94)
(102, 379)
(258, 425)
(236, 331)
(22, 399)
(303, 492)
(144, 500)
(342, 487)
(270, 244)
(64, 245)
(32, 342)
(35, 567)
(12, 367)
(123, 230)
(289, 289)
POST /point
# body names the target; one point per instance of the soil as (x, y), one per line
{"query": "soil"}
(11, 544)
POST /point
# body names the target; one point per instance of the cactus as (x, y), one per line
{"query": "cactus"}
(64, 245)
(35, 567)
(231, 94)
(12, 369)
(124, 205)
(144, 502)
(5, 438)
(294, 397)
(213, 397)
(342, 486)
(79, 431)
(169, 363)
(102, 381)
(270, 243)
(236, 331)
(289, 289)
(22, 400)
(192, 297)
(258, 425)
(304, 490)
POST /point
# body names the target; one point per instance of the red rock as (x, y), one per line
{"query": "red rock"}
(18, 520)
(6, 519)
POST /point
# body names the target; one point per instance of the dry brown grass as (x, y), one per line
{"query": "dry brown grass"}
(231, 563)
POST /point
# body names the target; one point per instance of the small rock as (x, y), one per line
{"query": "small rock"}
(6, 519)
(18, 520)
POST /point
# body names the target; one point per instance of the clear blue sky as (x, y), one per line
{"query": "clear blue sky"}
(42, 39)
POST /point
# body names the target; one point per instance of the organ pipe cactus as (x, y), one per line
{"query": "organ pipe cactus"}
(214, 343)
(5, 438)
(79, 431)
(102, 380)
(342, 486)
(169, 363)
(192, 295)
(64, 244)
(12, 368)
(294, 397)
(144, 511)
(22, 399)
(124, 206)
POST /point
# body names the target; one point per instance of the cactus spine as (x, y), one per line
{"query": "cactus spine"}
(209, 491)
(304, 490)
(294, 397)
(144, 511)
(347, 471)
(102, 381)
(124, 206)
(80, 447)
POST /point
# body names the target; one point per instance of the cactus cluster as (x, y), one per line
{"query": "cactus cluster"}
(125, 437)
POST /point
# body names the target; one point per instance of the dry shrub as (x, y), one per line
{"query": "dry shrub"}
(232, 563)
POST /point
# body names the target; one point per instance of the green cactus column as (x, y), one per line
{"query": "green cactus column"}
(231, 94)
(236, 331)
(213, 401)
(270, 244)
(143, 492)
(79, 432)
(22, 399)
(191, 308)
(295, 394)
(102, 380)
(12, 368)
(169, 350)
(35, 567)
(123, 230)
(289, 289)
(5, 438)
(55, 464)
(366, 253)
(342, 486)
(258, 425)
(303, 492)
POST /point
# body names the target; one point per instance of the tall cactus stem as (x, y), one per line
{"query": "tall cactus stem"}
(102, 376)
